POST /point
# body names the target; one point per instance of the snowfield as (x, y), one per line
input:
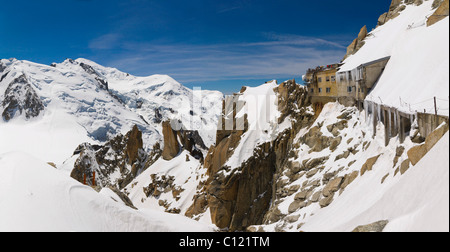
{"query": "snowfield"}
(87, 102)
(34, 196)
(418, 68)
(78, 107)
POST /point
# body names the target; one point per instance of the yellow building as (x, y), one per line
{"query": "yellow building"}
(322, 85)
(349, 87)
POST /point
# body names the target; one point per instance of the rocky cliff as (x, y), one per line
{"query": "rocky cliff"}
(115, 163)
(21, 99)
(240, 197)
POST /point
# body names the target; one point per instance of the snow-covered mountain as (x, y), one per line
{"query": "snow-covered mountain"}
(59, 106)
(270, 162)
(159, 97)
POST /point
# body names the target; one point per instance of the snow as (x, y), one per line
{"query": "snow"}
(415, 201)
(187, 174)
(36, 197)
(262, 114)
(418, 68)
(78, 109)
(165, 94)
(418, 200)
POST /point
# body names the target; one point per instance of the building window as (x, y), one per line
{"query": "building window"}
(349, 89)
(328, 90)
(320, 90)
(333, 78)
(320, 79)
(328, 78)
(312, 90)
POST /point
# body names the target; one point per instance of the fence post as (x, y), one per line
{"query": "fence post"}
(93, 178)
(84, 178)
(435, 106)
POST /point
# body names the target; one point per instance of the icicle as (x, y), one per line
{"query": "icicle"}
(366, 110)
(390, 123)
(379, 112)
(373, 112)
(396, 119)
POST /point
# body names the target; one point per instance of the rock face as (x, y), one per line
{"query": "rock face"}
(373, 227)
(171, 145)
(395, 8)
(367, 166)
(21, 98)
(121, 155)
(440, 13)
(241, 197)
(416, 153)
(175, 140)
(357, 43)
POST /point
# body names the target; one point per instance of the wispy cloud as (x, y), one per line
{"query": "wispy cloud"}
(275, 56)
(105, 42)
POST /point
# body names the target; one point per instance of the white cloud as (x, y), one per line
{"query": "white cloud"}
(276, 56)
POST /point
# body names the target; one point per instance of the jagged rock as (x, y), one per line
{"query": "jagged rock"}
(348, 179)
(384, 178)
(332, 186)
(292, 218)
(367, 166)
(374, 227)
(313, 163)
(316, 196)
(398, 153)
(103, 84)
(301, 195)
(357, 43)
(416, 137)
(171, 145)
(334, 143)
(296, 205)
(21, 98)
(198, 207)
(273, 215)
(416, 153)
(441, 12)
(404, 166)
(123, 197)
(123, 154)
(326, 201)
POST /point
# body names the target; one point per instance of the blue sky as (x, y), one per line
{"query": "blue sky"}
(213, 44)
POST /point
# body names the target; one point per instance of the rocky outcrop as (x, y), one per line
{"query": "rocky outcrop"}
(416, 153)
(20, 98)
(102, 83)
(396, 7)
(373, 227)
(440, 13)
(241, 197)
(171, 145)
(122, 155)
(357, 42)
(368, 165)
(176, 140)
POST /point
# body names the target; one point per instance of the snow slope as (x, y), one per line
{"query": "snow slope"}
(417, 201)
(419, 63)
(261, 107)
(187, 176)
(145, 95)
(79, 108)
(36, 197)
